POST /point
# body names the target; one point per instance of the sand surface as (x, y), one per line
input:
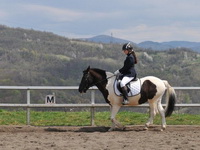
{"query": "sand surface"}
(97, 138)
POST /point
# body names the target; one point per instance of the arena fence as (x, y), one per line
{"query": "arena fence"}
(91, 105)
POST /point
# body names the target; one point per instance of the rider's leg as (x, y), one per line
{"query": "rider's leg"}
(123, 83)
(125, 95)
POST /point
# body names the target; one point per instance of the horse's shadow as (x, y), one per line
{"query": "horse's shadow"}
(93, 129)
(81, 129)
(98, 129)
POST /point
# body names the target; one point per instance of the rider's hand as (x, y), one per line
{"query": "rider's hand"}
(116, 72)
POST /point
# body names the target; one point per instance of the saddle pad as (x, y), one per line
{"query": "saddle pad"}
(134, 87)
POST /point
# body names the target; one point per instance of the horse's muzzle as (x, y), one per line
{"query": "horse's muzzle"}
(81, 91)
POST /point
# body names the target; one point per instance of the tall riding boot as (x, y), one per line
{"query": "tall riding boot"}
(125, 95)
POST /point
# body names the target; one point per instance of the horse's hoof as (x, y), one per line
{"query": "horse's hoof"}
(111, 129)
(123, 128)
(162, 129)
(146, 126)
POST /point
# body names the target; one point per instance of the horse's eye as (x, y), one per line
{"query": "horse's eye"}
(86, 76)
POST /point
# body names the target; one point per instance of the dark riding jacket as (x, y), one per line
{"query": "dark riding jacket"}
(128, 69)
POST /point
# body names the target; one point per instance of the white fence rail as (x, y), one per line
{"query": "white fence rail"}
(91, 105)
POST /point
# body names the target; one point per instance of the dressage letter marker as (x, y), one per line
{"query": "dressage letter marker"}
(50, 99)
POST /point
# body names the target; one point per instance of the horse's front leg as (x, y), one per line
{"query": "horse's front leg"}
(152, 113)
(114, 111)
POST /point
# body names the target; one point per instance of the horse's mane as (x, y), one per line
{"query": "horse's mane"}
(99, 71)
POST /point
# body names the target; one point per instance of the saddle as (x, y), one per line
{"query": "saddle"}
(133, 87)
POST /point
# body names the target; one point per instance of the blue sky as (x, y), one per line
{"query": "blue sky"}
(134, 20)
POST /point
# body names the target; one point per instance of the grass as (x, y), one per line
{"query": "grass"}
(51, 118)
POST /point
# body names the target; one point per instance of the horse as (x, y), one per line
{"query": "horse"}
(152, 91)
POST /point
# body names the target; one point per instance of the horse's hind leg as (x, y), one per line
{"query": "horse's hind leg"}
(162, 114)
(114, 111)
(152, 113)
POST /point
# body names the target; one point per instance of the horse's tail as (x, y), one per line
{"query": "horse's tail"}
(170, 99)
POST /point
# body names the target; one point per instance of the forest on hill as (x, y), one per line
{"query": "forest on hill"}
(35, 58)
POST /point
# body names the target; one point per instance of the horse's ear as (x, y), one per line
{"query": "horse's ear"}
(88, 69)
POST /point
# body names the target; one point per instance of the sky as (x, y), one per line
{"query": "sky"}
(133, 20)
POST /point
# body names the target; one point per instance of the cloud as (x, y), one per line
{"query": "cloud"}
(64, 15)
(129, 19)
(158, 33)
(53, 13)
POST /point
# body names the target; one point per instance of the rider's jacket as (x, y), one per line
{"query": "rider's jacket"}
(128, 69)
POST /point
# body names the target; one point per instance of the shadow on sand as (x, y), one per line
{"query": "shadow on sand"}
(93, 129)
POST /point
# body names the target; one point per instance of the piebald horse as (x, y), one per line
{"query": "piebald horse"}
(152, 91)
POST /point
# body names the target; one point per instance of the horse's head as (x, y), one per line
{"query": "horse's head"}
(86, 81)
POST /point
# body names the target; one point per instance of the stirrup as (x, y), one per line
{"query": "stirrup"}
(125, 102)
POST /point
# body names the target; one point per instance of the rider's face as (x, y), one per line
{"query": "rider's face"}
(125, 52)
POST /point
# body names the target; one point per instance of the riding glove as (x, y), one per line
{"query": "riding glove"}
(116, 72)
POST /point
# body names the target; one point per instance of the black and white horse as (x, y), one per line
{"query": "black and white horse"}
(152, 91)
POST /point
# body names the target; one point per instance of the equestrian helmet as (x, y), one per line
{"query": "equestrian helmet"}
(127, 46)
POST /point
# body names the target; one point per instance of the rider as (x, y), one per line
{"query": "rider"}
(127, 72)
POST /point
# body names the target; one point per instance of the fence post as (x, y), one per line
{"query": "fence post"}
(28, 109)
(92, 108)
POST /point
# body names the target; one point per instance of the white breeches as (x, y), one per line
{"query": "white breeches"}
(125, 80)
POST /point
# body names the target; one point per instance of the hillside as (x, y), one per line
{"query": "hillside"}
(195, 46)
(29, 57)
(105, 39)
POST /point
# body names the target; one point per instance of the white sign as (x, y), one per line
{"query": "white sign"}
(50, 99)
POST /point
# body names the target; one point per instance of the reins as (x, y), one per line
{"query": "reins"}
(103, 80)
